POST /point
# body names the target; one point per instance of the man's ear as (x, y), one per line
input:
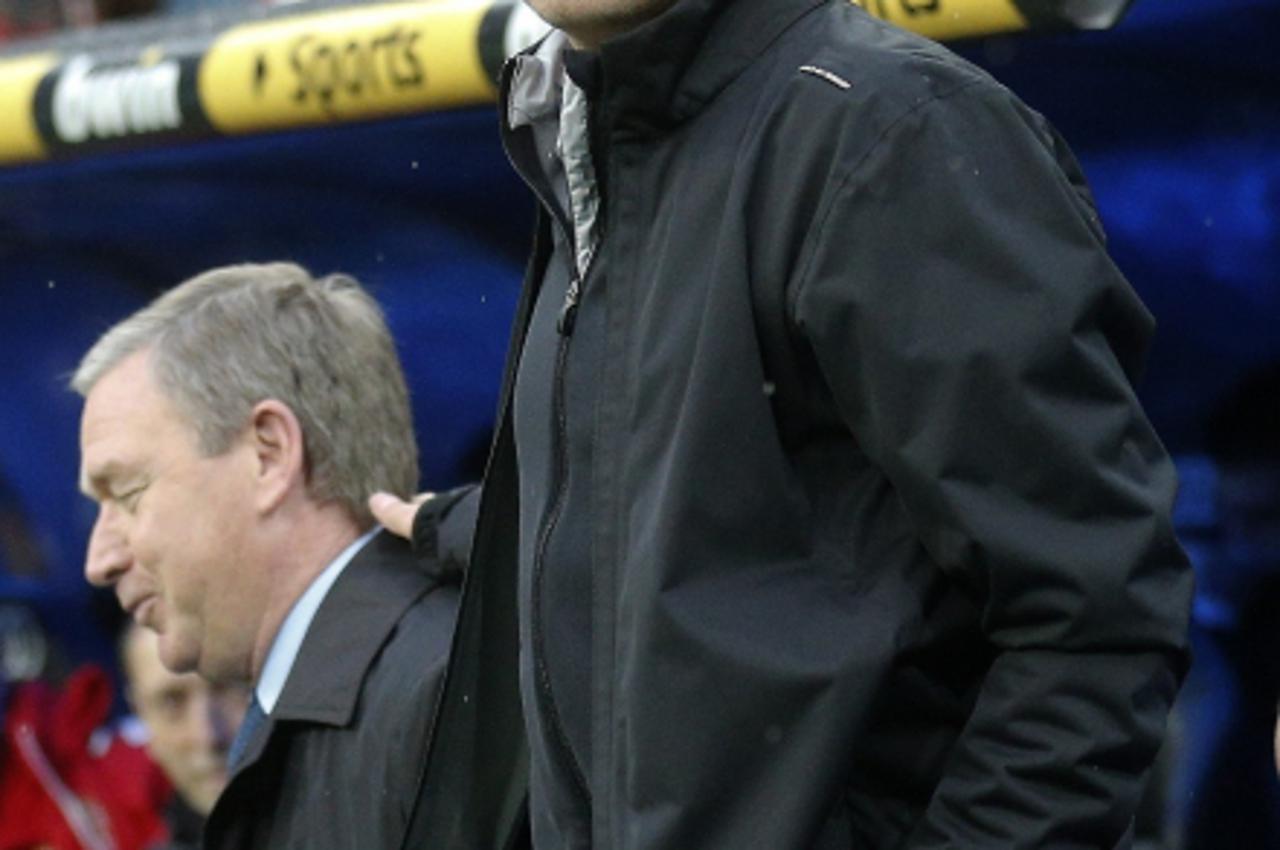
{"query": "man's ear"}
(276, 437)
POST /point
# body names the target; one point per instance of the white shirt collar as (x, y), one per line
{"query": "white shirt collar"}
(284, 649)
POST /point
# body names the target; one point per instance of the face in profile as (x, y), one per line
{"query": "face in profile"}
(172, 524)
(190, 722)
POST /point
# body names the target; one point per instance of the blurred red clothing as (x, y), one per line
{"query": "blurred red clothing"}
(28, 17)
(65, 788)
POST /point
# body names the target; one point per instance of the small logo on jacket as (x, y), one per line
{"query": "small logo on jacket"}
(823, 74)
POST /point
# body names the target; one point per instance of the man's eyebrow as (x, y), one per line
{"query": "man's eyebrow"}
(99, 481)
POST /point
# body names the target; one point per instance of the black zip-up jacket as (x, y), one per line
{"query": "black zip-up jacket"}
(837, 523)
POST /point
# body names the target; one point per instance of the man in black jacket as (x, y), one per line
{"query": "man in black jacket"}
(230, 431)
(821, 510)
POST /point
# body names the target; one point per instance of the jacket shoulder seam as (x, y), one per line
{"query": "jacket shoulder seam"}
(820, 221)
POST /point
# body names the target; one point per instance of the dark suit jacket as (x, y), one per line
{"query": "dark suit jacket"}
(338, 763)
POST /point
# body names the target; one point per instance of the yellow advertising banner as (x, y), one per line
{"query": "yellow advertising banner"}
(949, 19)
(19, 79)
(345, 65)
(335, 65)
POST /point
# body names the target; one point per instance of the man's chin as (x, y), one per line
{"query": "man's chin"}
(176, 659)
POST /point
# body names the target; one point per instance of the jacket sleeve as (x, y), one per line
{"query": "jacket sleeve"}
(443, 528)
(981, 346)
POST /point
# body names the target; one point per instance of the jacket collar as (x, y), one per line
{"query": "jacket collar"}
(665, 71)
(353, 623)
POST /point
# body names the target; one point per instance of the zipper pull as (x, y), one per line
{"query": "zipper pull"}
(569, 311)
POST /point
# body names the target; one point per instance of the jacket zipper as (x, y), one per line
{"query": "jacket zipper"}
(561, 749)
(563, 752)
(555, 725)
(568, 312)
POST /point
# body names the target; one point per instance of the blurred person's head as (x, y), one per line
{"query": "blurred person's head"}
(231, 433)
(190, 722)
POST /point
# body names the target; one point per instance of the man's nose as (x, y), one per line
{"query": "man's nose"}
(108, 557)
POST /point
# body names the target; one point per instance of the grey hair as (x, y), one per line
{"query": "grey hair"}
(234, 336)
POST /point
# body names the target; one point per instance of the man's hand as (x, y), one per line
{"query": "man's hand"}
(395, 514)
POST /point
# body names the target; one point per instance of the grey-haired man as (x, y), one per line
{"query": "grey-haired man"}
(229, 434)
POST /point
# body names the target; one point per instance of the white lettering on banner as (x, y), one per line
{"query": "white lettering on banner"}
(112, 102)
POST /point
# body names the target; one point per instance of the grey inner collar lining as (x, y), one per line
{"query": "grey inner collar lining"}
(544, 98)
(536, 83)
